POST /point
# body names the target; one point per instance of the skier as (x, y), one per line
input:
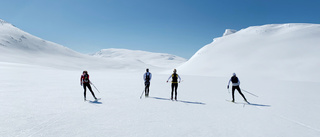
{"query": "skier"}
(85, 82)
(236, 85)
(147, 78)
(174, 85)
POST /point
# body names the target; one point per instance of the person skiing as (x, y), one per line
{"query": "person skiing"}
(174, 83)
(236, 85)
(85, 82)
(147, 78)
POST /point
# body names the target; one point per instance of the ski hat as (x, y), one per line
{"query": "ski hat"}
(147, 70)
(85, 71)
(234, 74)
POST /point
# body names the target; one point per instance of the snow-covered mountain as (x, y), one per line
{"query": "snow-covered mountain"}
(148, 59)
(18, 46)
(282, 51)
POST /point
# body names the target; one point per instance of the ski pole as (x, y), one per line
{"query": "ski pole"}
(141, 94)
(250, 93)
(94, 86)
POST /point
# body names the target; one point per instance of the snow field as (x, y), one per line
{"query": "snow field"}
(40, 101)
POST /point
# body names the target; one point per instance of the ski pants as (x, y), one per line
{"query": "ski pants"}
(85, 85)
(146, 89)
(174, 87)
(239, 90)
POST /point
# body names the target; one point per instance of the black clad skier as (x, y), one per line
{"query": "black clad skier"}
(85, 82)
(236, 85)
(174, 83)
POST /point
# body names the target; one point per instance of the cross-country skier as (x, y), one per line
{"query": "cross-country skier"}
(147, 78)
(85, 82)
(236, 85)
(174, 85)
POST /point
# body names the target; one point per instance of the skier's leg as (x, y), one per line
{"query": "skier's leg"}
(89, 87)
(176, 89)
(172, 88)
(239, 90)
(233, 88)
(85, 90)
(148, 89)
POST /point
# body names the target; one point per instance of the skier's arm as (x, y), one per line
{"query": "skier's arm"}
(89, 80)
(169, 78)
(81, 80)
(144, 76)
(179, 78)
(150, 76)
(228, 83)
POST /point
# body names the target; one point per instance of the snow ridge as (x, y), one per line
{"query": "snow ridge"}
(282, 51)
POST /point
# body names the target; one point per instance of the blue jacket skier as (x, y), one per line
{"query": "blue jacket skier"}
(147, 78)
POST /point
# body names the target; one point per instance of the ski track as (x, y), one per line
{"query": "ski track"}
(291, 120)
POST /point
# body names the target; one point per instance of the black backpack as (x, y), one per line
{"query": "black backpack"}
(174, 77)
(86, 78)
(234, 79)
(148, 77)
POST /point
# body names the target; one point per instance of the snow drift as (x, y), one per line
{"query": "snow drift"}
(282, 51)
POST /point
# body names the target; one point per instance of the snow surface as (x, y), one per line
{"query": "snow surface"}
(40, 92)
(277, 51)
(155, 60)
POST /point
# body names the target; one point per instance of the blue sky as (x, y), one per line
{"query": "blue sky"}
(179, 27)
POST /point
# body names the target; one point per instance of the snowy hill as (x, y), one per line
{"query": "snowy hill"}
(281, 51)
(147, 59)
(17, 46)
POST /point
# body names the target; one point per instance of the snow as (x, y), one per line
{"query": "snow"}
(147, 59)
(229, 31)
(276, 51)
(40, 92)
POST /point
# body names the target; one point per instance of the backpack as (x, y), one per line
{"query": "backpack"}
(147, 77)
(174, 77)
(234, 79)
(85, 78)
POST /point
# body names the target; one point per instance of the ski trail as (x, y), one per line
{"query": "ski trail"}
(291, 120)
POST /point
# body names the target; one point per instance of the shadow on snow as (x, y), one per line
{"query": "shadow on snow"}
(252, 104)
(95, 102)
(187, 102)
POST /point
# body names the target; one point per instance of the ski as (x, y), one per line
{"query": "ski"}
(238, 102)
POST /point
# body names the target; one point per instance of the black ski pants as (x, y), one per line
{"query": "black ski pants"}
(174, 87)
(85, 85)
(146, 89)
(239, 90)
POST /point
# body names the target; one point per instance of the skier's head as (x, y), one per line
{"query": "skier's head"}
(174, 71)
(234, 74)
(85, 72)
(147, 70)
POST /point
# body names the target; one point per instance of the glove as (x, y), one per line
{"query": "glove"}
(228, 87)
(81, 83)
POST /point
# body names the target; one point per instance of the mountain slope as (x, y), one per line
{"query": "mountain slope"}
(282, 51)
(18, 46)
(148, 59)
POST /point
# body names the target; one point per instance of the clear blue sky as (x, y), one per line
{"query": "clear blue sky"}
(179, 27)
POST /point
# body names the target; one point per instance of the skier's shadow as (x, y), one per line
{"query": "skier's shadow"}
(95, 102)
(187, 102)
